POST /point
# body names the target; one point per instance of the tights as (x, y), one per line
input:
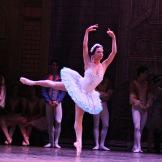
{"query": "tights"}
(104, 116)
(139, 121)
(54, 114)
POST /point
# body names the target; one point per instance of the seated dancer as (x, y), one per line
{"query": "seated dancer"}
(13, 118)
(82, 89)
(2, 106)
(32, 111)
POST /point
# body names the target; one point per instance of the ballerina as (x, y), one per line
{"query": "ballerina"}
(82, 89)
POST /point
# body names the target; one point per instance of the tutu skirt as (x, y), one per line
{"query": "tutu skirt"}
(88, 101)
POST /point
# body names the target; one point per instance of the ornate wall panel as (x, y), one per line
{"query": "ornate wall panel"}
(35, 46)
(29, 27)
(3, 38)
(24, 38)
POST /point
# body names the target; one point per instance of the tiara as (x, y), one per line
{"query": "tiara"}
(94, 46)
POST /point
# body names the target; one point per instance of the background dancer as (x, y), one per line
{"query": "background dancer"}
(53, 100)
(105, 91)
(140, 101)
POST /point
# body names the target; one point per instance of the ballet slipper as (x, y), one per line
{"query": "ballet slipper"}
(137, 151)
(26, 81)
(8, 142)
(78, 148)
(48, 145)
(102, 147)
(57, 146)
(96, 147)
(140, 151)
(24, 143)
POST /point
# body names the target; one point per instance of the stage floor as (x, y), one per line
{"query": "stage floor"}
(35, 154)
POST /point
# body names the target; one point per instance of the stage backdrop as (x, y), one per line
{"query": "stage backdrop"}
(34, 32)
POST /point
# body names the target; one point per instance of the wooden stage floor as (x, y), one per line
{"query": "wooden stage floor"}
(38, 154)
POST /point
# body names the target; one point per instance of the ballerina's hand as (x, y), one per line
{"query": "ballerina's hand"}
(26, 81)
(110, 33)
(92, 28)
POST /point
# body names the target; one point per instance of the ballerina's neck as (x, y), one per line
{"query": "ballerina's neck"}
(96, 62)
(96, 69)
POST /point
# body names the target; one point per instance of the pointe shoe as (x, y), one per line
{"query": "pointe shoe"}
(26, 81)
(78, 148)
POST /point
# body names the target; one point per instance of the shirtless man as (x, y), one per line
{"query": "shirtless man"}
(139, 99)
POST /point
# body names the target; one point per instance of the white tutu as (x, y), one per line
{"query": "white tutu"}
(89, 101)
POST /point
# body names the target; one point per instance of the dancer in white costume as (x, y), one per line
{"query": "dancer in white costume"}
(82, 89)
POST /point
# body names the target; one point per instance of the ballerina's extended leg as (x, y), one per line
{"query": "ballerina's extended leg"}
(43, 83)
(26, 81)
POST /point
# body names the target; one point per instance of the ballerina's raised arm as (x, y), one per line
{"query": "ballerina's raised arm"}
(111, 56)
(86, 56)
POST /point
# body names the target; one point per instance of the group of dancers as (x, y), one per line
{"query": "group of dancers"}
(24, 112)
(83, 92)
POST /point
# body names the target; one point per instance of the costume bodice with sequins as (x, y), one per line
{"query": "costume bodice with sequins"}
(91, 80)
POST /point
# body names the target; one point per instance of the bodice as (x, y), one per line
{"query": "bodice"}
(90, 80)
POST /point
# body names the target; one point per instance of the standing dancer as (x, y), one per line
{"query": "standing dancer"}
(140, 100)
(105, 91)
(53, 99)
(82, 89)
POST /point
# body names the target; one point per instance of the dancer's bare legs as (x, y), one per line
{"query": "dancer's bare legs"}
(5, 131)
(44, 83)
(25, 136)
(78, 129)
(23, 132)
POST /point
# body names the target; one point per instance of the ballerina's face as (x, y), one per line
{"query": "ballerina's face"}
(98, 55)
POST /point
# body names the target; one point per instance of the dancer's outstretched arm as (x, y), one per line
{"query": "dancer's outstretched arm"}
(86, 56)
(110, 58)
(43, 83)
